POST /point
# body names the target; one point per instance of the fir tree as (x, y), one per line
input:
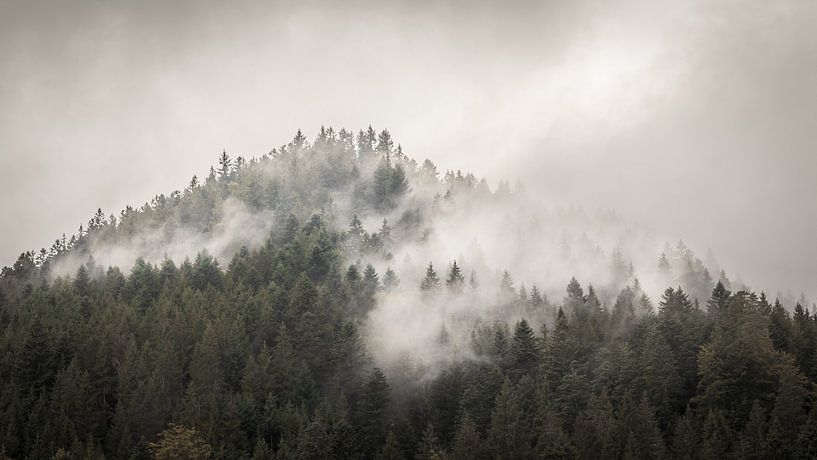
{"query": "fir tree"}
(455, 281)
(431, 281)
(372, 412)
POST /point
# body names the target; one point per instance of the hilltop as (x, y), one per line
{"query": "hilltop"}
(337, 299)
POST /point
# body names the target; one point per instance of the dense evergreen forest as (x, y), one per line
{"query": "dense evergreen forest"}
(291, 329)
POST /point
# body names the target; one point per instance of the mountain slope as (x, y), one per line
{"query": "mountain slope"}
(338, 299)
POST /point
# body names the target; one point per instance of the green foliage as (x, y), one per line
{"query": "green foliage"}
(431, 281)
(180, 443)
(373, 416)
(455, 281)
(265, 353)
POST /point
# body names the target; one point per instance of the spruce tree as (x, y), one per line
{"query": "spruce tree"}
(508, 433)
(390, 280)
(455, 281)
(752, 442)
(524, 352)
(467, 441)
(536, 300)
(717, 436)
(431, 281)
(373, 418)
(391, 450)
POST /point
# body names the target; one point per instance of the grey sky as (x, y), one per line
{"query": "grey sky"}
(696, 118)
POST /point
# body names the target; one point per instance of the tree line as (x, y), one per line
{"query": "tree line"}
(265, 356)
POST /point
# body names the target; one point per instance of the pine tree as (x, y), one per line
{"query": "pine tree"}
(299, 141)
(391, 450)
(382, 184)
(467, 441)
(180, 443)
(225, 165)
(390, 280)
(317, 440)
(737, 365)
(752, 441)
(431, 281)
(594, 428)
(455, 281)
(637, 426)
(72, 405)
(664, 266)
(659, 376)
(685, 439)
(356, 230)
(781, 328)
(33, 369)
(262, 451)
(372, 412)
(506, 287)
(206, 272)
(559, 351)
(385, 234)
(524, 352)
(574, 301)
(789, 405)
(718, 302)
(536, 300)
(429, 447)
(82, 281)
(371, 285)
(508, 432)
(553, 442)
(523, 293)
(717, 436)
(384, 142)
(807, 437)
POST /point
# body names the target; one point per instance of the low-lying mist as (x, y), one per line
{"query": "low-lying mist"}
(405, 226)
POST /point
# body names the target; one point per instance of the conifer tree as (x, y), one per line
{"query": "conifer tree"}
(717, 436)
(574, 301)
(33, 368)
(180, 443)
(390, 279)
(506, 287)
(664, 265)
(371, 284)
(225, 165)
(524, 352)
(431, 281)
(659, 377)
(594, 429)
(455, 281)
(559, 351)
(807, 437)
(373, 417)
(429, 447)
(384, 142)
(467, 441)
(508, 431)
(391, 450)
(536, 300)
(685, 439)
(752, 442)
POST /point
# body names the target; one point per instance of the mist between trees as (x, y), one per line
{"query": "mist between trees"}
(336, 298)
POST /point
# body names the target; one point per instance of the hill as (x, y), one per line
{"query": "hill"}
(338, 299)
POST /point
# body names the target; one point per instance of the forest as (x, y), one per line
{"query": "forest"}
(338, 299)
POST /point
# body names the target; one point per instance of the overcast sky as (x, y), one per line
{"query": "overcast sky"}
(698, 119)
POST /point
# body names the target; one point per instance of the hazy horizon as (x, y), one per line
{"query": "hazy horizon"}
(696, 120)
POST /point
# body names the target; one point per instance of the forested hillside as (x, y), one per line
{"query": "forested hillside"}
(337, 299)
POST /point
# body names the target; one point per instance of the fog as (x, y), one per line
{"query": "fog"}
(694, 120)
(236, 227)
